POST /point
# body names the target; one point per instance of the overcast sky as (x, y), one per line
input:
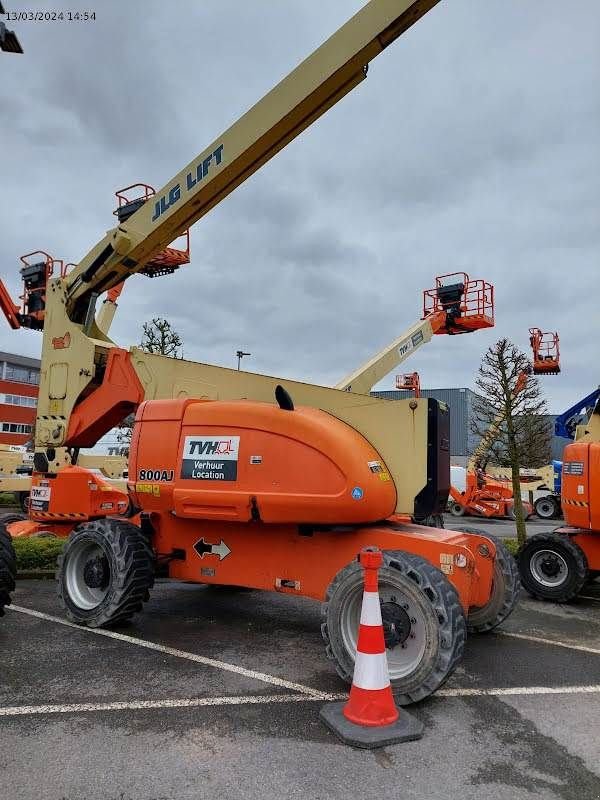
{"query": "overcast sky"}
(473, 145)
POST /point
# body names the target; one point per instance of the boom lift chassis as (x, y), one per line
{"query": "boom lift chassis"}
(434, 582)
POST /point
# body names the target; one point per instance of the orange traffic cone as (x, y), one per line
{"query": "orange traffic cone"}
(370, 718)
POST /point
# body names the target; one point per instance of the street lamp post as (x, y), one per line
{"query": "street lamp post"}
(240, 354)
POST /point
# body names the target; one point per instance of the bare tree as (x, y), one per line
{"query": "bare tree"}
(158, 336)
(509, 412)
(534, 444)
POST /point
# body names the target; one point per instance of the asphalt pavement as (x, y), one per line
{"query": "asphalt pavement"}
(215, 694)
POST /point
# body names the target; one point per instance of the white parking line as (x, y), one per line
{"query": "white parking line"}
(540, 640)
(137, 705)
(171, 651)
(516, 690)
(266, 699)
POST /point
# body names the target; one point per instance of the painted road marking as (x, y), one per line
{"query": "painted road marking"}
(266, 699)
(540, 640)
(172, 651)
(518, 690)
(137, 705)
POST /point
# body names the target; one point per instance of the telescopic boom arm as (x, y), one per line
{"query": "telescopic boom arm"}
(332, 71)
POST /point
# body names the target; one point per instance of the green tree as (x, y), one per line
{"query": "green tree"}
(509, 394)
(160, 337)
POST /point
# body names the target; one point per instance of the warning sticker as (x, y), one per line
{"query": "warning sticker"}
(446, 565)
(573, 468)
(39, 498)
(378, 468)
(210, 458)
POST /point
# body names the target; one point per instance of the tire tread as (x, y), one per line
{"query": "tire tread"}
(445, 601)
(8, 568)
(134, 576)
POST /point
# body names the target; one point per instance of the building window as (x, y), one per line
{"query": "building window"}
(18, 400)
(19, 374)
(15, 427)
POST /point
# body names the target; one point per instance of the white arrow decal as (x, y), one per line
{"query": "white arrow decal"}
(221, 549)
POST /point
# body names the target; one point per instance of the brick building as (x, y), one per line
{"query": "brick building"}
(19, 380)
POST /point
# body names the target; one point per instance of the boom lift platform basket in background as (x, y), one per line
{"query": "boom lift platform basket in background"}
(169, 259)
(409, 382)
(469, 303)
(38, 267)
(546, 353)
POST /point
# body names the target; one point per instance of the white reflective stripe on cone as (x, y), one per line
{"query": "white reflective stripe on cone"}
(370, 613)
(371, 671)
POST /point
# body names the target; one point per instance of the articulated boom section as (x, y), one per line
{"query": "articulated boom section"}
(461, 307)
(166, 261)
(317, 84)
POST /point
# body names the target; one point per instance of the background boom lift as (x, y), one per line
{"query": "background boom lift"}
(556, 566)
(233, 487)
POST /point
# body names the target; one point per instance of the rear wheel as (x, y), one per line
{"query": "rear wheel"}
(552, 567)
(424, 625)
(9, 518)
(457, 510)
(24, 501)
(105, 572)
(506, 588)
(546, 507)
(8, 568)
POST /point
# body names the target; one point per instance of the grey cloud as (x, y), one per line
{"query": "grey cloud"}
(472, 145)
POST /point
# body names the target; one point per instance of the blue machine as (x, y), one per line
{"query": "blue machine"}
(566, 423)
(557, 470)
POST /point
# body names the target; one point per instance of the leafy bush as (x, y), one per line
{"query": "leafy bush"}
(511, 545)
(37, 553)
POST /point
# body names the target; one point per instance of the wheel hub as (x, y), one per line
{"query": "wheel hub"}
(550, 566)
(95, 573)
(396, 624)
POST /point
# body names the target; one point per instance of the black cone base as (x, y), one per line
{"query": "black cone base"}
(405, 729)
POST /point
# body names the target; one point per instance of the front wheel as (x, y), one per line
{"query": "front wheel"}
(105, 572)
(423, 622)
(546, 507)
(552, 567)
(457, 510)
(8, 568)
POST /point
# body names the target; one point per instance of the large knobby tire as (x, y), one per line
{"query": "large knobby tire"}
(424, 624)
(10, 517)
(105, 572)
(506, 589)
(546, 507)
(552, 567)
(24, 502)
(8, 568)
